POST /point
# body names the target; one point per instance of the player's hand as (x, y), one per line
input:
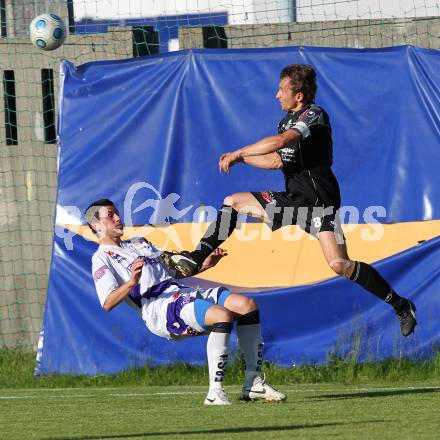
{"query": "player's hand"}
(228, 160)
(212, 259)
(136, 270)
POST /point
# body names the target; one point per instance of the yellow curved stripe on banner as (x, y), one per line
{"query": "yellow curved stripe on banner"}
(288, 257)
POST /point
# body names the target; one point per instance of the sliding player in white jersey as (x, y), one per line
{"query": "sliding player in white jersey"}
(132, 271)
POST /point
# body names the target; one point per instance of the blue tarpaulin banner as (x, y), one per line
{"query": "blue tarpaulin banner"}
(158, 124)
(167, 119)
(300, 324)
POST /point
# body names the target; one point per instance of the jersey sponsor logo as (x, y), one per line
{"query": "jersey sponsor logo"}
(150, 260)
(147, 260)
(288, 153)
(99, 273)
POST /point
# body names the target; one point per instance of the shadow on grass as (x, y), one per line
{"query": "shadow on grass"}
(205, 432)
(379, 393)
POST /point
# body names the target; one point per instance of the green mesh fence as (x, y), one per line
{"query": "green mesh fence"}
(104, 29)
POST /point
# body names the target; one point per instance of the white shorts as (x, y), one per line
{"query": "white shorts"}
(179, 312)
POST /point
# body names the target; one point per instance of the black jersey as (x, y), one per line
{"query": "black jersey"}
(307, 164)
(315, 147)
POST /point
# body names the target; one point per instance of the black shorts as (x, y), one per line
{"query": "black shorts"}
(282, 210)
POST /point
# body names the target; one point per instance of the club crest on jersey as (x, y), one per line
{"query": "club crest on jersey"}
(309, 116)
(118, 258)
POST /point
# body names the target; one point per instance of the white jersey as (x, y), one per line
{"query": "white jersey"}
(111, 267)
(167, 307)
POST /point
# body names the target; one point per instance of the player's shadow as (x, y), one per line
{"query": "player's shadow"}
(248, 430)
(379, 393)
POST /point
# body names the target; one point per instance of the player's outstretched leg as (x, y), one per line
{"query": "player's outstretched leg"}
(251, 345)
(369, 278)
(185, 264)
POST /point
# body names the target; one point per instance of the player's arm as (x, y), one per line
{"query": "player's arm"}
(270, 144)
(119, 295)
(271, 161)
(212, 259)
(262, 147)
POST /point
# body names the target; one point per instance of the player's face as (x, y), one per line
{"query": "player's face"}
(289, 100)
(110, 223)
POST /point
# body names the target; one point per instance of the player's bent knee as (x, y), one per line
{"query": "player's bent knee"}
(244, 304)
(218, 314)
(342, 267)
(240, 304)
(224, 315)
(338, 269)
(250, 304)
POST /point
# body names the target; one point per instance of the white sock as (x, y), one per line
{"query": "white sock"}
(251, 345)
(217, 350)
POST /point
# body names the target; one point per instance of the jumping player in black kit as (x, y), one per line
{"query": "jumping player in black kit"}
(302, 150)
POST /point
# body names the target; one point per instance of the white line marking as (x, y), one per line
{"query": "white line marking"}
(186, 393)
(78, 396)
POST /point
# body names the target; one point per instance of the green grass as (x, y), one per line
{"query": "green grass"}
(16, 371)
(318, 411)
(342, 399)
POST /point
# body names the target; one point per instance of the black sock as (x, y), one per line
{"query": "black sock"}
(222, 327)
(218, 231)
(370, 279)
(250, 318)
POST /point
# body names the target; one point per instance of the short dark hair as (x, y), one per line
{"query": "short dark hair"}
(302, 79)
(92, 211)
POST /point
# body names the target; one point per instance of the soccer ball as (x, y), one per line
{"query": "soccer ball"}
(47, 31)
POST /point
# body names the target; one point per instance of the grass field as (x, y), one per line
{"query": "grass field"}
(406, 411)
(396, 399)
